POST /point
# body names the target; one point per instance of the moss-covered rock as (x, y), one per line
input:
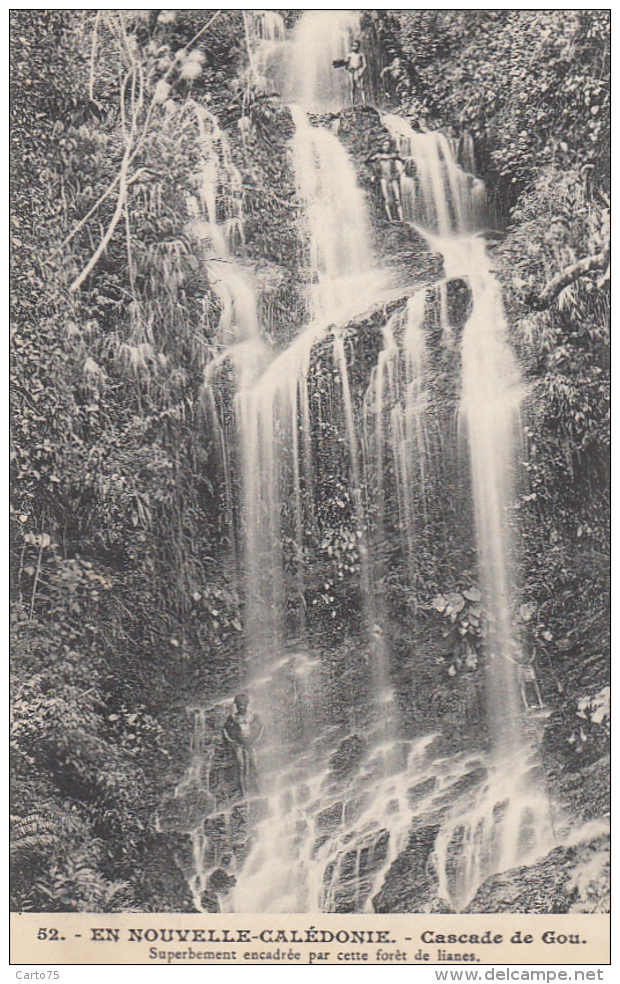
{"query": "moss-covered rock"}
(569, 879)
(409, 885)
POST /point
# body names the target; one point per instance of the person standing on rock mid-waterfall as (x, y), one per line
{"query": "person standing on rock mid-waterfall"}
(242, 731)
(355, 64)
(389, 167)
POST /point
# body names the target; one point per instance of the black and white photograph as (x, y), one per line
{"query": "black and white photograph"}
(310, 463)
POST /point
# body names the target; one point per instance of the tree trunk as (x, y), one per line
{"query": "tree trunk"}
(568, 276)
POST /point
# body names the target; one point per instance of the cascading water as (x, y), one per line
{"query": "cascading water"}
(491, 396)
(274, 412)
(267, 445)
(396, 422)
(275, 425)
(264, 35)
(301, 69)
(509, 820)
(340, 254)
(444, 199)
(335, 808)
(217, 222)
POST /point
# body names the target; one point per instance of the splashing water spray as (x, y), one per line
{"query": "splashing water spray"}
(340, 787)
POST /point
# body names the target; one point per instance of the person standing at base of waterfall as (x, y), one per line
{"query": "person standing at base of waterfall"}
(528, 685)
(242, 731)
(355, 64)
(389, 167)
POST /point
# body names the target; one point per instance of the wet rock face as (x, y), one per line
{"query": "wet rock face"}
(348, 880)
(420, 790)
(409, 883)
(347, 757)
(465, 784)
(459, 302)
(361, 131)
(187, 812)
(569, 879)
(439, 907)
(330, 819)
(209, 902)
(283, 300)
(221, 881)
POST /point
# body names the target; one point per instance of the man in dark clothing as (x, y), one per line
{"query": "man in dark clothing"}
(389, 167)
(242, 731)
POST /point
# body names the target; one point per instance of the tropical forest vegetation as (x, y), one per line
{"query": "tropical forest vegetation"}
(129, 594)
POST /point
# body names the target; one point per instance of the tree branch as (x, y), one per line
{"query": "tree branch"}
(93, 55)
(130, 266)
(91, 211)
(588, 264)
(133, 146)
(122, 194)
(166, 76)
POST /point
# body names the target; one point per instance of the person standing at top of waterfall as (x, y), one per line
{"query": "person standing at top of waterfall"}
(356, 67)
(242, 731)
(389, 167)
(355, 64)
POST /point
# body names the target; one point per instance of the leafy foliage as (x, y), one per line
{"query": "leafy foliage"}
(532, 87)
(566, 350)
(127, 599)
(114, 515)
(465, 629)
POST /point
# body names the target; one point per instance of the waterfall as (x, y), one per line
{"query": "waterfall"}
(491, 395)
(217, 222)
(265, 34)
(326, 845)
(274, 411)
(509, 822)
(320, 38)
(396, 426)
(408, 426)
(278, 490)
(444, 198)
(268, 25)
(339, 784)
(340, 254)
(301, 67)
(505, 823)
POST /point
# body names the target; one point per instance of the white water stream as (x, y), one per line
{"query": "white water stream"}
(340, 788)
